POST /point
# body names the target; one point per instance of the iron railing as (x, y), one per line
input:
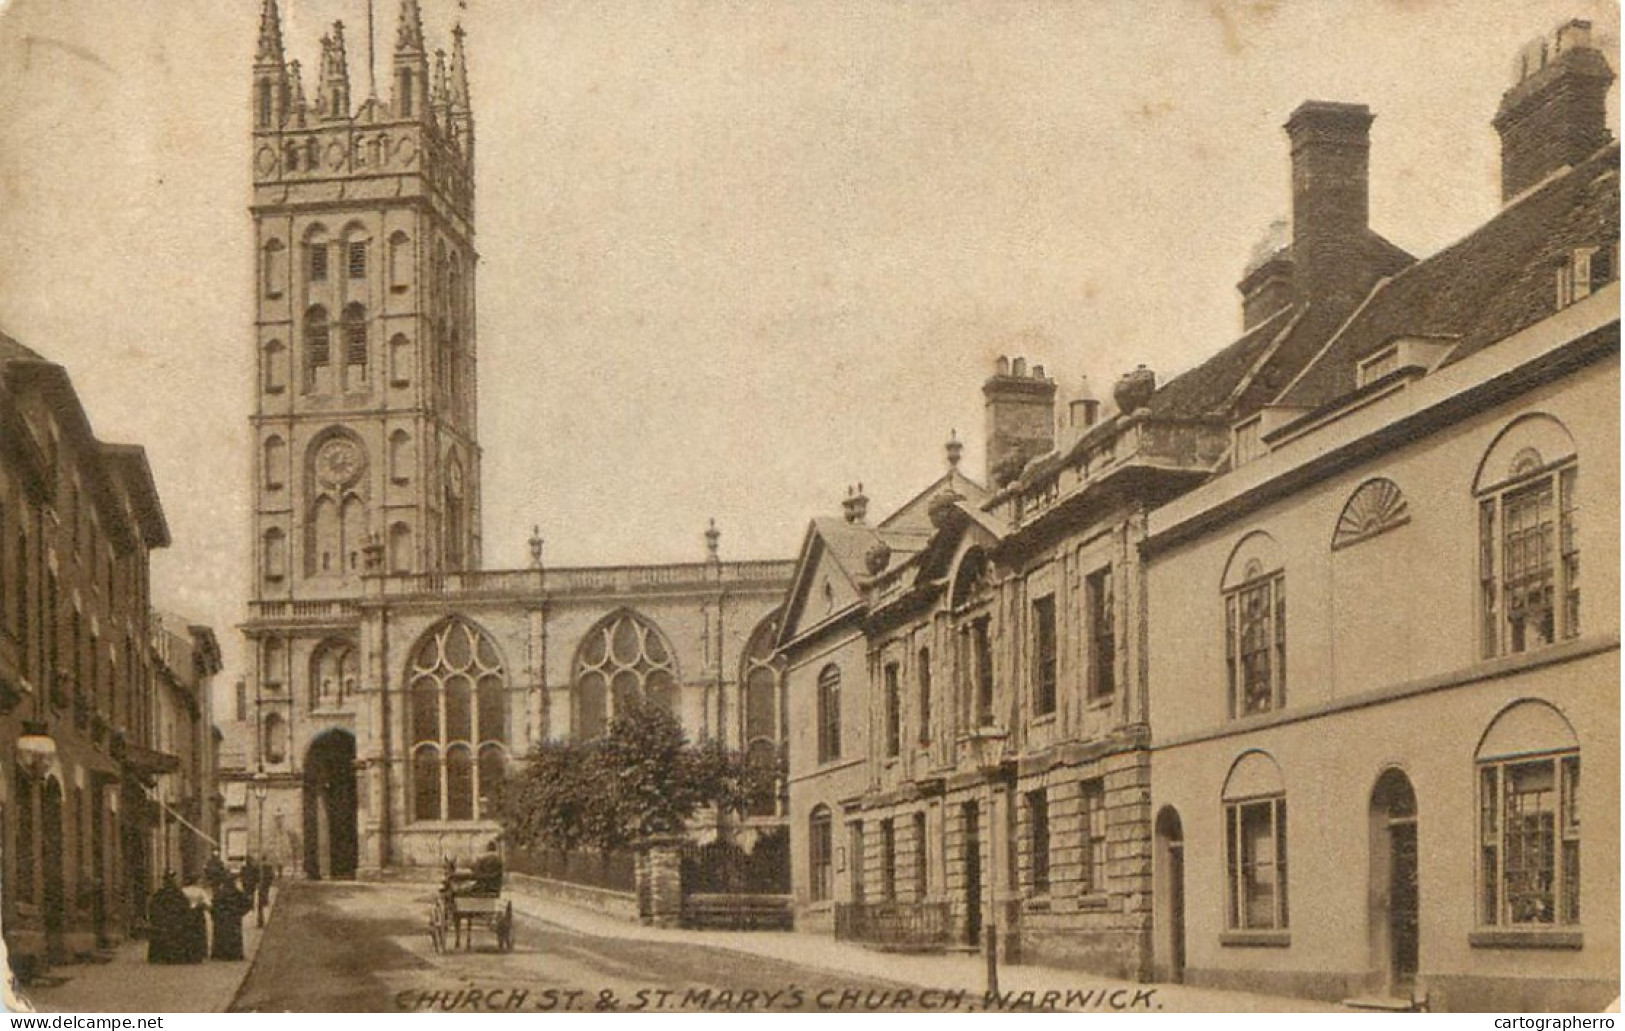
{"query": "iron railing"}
(896, 925)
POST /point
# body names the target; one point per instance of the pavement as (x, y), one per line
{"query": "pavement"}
(126, 983)
(944, 972)
(122, 981)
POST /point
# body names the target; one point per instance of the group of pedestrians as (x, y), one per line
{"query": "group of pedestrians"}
(180, 918)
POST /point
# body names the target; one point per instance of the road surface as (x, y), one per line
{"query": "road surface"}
(365, 948)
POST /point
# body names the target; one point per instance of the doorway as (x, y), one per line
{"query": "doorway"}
(330, 807)
(1171, 889)
(973, 873)
(1395, 891)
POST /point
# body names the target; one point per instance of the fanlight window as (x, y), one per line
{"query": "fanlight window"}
(1376, 507)
(459, 724)
(622, 658)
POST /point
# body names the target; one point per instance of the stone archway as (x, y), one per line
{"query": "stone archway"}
(330, 807)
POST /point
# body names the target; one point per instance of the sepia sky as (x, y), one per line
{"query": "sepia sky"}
(734, 255)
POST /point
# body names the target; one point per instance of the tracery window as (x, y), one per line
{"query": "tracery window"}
(457, 690)
(623, 658)
(1529, 550)
(762, 708)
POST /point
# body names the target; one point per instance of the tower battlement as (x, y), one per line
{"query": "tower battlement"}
(416, 142)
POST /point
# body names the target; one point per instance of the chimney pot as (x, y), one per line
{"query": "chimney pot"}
(1018, 368)
(1555, 115)
(1002, 368)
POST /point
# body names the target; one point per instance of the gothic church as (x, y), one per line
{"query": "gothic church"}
(394, 682)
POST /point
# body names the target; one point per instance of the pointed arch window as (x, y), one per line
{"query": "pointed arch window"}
(457, 689)
(623, 658)
(262, 106)
(400, 456)
(762, 683)
(336, 527)
(318, 345)
(355, 333)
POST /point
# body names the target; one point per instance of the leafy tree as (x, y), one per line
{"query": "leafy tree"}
(642, 777)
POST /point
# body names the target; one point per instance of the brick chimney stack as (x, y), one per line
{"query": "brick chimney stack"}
(1331, 166)
(1556, 114)
(1020, 417)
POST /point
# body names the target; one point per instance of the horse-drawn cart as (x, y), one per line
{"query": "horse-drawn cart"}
(457, 914)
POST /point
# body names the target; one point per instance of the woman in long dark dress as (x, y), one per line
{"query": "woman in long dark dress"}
(166, 919)
(229, 906)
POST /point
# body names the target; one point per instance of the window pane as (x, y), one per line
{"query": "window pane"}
(760, 704)
(459, 704)
(1531, 820)
(425, 784)
(493, 777)
(590, 704)
(493, 709)
(459, 785)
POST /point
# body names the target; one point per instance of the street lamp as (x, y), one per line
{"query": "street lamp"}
(261, 786)
(987, 749)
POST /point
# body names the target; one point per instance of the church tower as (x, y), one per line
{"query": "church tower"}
(366, 454)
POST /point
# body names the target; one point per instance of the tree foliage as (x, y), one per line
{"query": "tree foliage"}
(642, 777)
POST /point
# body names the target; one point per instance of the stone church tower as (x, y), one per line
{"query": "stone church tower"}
(395, 683)
(365, 414)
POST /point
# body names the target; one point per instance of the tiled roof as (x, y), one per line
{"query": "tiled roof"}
(1483, 288)
(1207, 389)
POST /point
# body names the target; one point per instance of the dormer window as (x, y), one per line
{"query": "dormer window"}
(1247, 444)
(1584, 271)
(1378, 365)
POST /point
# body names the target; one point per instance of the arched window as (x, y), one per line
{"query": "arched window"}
(318, 345)
(829, 714)
(400, 548)
(1529, 819)
(405, 93)
(1255, 844)
(262, 103)
(624, 657)
(275, 738)
(272, 270)
(1529, 547)
(274, 553)
(820, 854)
(316, 245)
(276, 462)
(400, 456)
(457, 691)
(333, 674)
(761, 680)
(1254, 591)
(355, 334)
(271, 663)
(275, 373)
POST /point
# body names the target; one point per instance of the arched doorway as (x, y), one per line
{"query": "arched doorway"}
(56, 896)
(330, 806)
(1170, 890)
(1395, 899)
